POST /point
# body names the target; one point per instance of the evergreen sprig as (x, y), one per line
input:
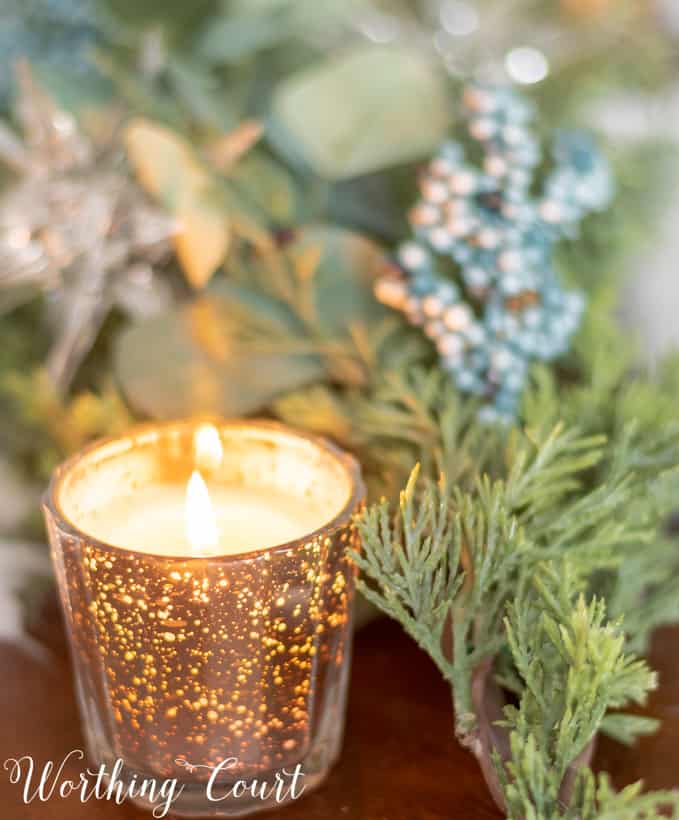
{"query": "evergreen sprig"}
(503, 572)
(636, 412)
(573, 669)
(441, 566)
(419, 550)
(599, 801)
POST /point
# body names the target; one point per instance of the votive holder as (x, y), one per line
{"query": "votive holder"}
(234, 650)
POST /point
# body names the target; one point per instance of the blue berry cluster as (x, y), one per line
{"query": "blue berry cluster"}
(499, 305)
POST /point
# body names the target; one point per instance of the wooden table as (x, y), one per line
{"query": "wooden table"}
(400, 759)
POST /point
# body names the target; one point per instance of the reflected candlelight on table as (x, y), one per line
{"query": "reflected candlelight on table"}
(208, 594)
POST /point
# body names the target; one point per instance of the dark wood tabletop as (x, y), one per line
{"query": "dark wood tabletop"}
(400, 758)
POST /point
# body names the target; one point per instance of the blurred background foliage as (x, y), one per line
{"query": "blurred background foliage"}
(244, 119)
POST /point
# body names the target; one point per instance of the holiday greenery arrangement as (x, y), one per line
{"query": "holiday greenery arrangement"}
(185, 236)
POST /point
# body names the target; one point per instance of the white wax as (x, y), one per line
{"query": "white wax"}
(152, 520)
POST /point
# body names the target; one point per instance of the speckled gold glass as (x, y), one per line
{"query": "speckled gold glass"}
(203, 659)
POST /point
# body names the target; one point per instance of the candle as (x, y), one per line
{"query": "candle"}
(178, 520)
(208, 594)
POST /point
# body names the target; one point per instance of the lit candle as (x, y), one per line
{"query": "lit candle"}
(208, 594)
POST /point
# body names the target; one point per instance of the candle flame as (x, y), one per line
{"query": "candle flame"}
(201, 522)
(207, 447)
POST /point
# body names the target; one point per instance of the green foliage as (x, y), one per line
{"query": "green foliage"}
(636, 412)
(40, 428)
(572, 668)
(55, 35)
(284, 319)
(441, 557)
(594, 261)
(406, 413)
(397, 111)
(178, 19)
(268, 186)
(536, 494)
(600, 801)
(508, 569)
(419, 551)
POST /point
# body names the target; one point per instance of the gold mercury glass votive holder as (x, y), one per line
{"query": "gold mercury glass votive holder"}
(207, 589)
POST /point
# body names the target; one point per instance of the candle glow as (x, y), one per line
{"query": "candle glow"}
(201, 522)
(207, 447)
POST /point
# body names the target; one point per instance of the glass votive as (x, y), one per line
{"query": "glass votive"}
(208, 594)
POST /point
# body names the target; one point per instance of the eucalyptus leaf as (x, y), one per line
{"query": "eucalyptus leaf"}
(202, 95)
(178, 19)
(258, 7)
(250, 26)
(376, 204)
(76, 91)
(344, 277)
(197, 359)
(367, 109)
(231, 39)
(247, 341)
(164, 162)
(267, 186)
(136, 90)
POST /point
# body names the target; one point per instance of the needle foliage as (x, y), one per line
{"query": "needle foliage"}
(528, 566)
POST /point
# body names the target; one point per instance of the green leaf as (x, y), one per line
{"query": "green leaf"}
(230, 39)
(76, 91)
(281, 321)
(202, 95)
(204, 358)
(178, 19)
(368, 109)
(344, 277)
(267, 186)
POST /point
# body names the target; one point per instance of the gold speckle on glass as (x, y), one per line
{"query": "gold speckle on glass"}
(208, 594)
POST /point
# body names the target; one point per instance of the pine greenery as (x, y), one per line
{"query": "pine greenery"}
(526, 548)
(573, 668)
(505, 571)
